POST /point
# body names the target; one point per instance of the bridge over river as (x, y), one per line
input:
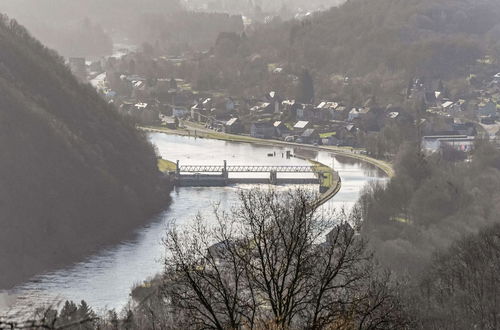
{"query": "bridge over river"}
(218, 175)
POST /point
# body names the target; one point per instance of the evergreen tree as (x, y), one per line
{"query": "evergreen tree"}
(305, 90)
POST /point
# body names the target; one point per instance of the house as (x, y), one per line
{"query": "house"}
(431, 144)
(262, 107)
(447, 105)
(275, 101)
(179, 111)
(305, 112)
(301, 125)
(169, 122)
(234, 126)
(461, 128)
(339, 234)
(430, 98)
(326, 111)
(357, 113)
(347, 135)
(218, 252)
(339, 113)
(196, 112)
(144, 113)
(496, 78)
(280, 128)
(230, 105)
(207, 103)
(330, 139)
(262, 130)
(393, 115)
(141, 106)
(310, 135)
(458, 106)
(487, 109)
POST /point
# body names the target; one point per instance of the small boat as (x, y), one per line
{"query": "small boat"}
(270, 155)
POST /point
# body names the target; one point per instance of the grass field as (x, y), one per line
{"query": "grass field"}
(329, 178)
(166, 165)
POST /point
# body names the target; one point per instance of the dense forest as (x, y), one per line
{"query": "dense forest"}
(435, 225)
(430, 203)
(419, 37)
(73, 173)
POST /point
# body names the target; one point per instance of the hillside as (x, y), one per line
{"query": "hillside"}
(420, 37)
(73, 173)
(379, 44)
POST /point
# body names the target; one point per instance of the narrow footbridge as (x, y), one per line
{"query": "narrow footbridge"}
(218, 175)
(244, 169)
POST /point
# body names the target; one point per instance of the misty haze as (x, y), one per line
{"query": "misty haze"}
(250, 164)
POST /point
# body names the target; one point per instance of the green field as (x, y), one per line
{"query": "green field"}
(166, 165)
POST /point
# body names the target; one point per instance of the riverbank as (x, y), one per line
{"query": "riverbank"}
(199, 131)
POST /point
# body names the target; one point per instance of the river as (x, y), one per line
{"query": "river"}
(104, 280)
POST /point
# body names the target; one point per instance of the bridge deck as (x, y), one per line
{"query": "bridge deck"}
(216, 180)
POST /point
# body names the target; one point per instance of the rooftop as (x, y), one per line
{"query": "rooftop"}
(301, 124)
(231, 121)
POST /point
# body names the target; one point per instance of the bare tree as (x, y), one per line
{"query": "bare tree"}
(263, 265)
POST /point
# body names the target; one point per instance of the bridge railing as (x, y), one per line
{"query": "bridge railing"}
(245, 169)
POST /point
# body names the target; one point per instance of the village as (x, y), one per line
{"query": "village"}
(143, 90)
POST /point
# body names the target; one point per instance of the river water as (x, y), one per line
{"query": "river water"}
(104, 280)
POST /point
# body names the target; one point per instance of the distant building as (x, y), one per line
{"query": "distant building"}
(496, 78)
(331, 139)
(230, 104)
(169, 122)
(233, 126)
(431, 144)
(262, 130)
(305, 112)
(265, 107)
(339, 234)
(357, 113)
(487, 108)
(447, 105)
(301, 126)
(143, 113)
(309, 136)
(467, 129)
(180, 112)
(328, 110)
(280, 128)
(275, 101)
(393, 115)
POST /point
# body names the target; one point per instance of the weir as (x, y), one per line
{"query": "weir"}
(218, 175)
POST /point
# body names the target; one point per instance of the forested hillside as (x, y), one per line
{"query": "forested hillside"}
(73, 173)
(420, 37)
(379, 44)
